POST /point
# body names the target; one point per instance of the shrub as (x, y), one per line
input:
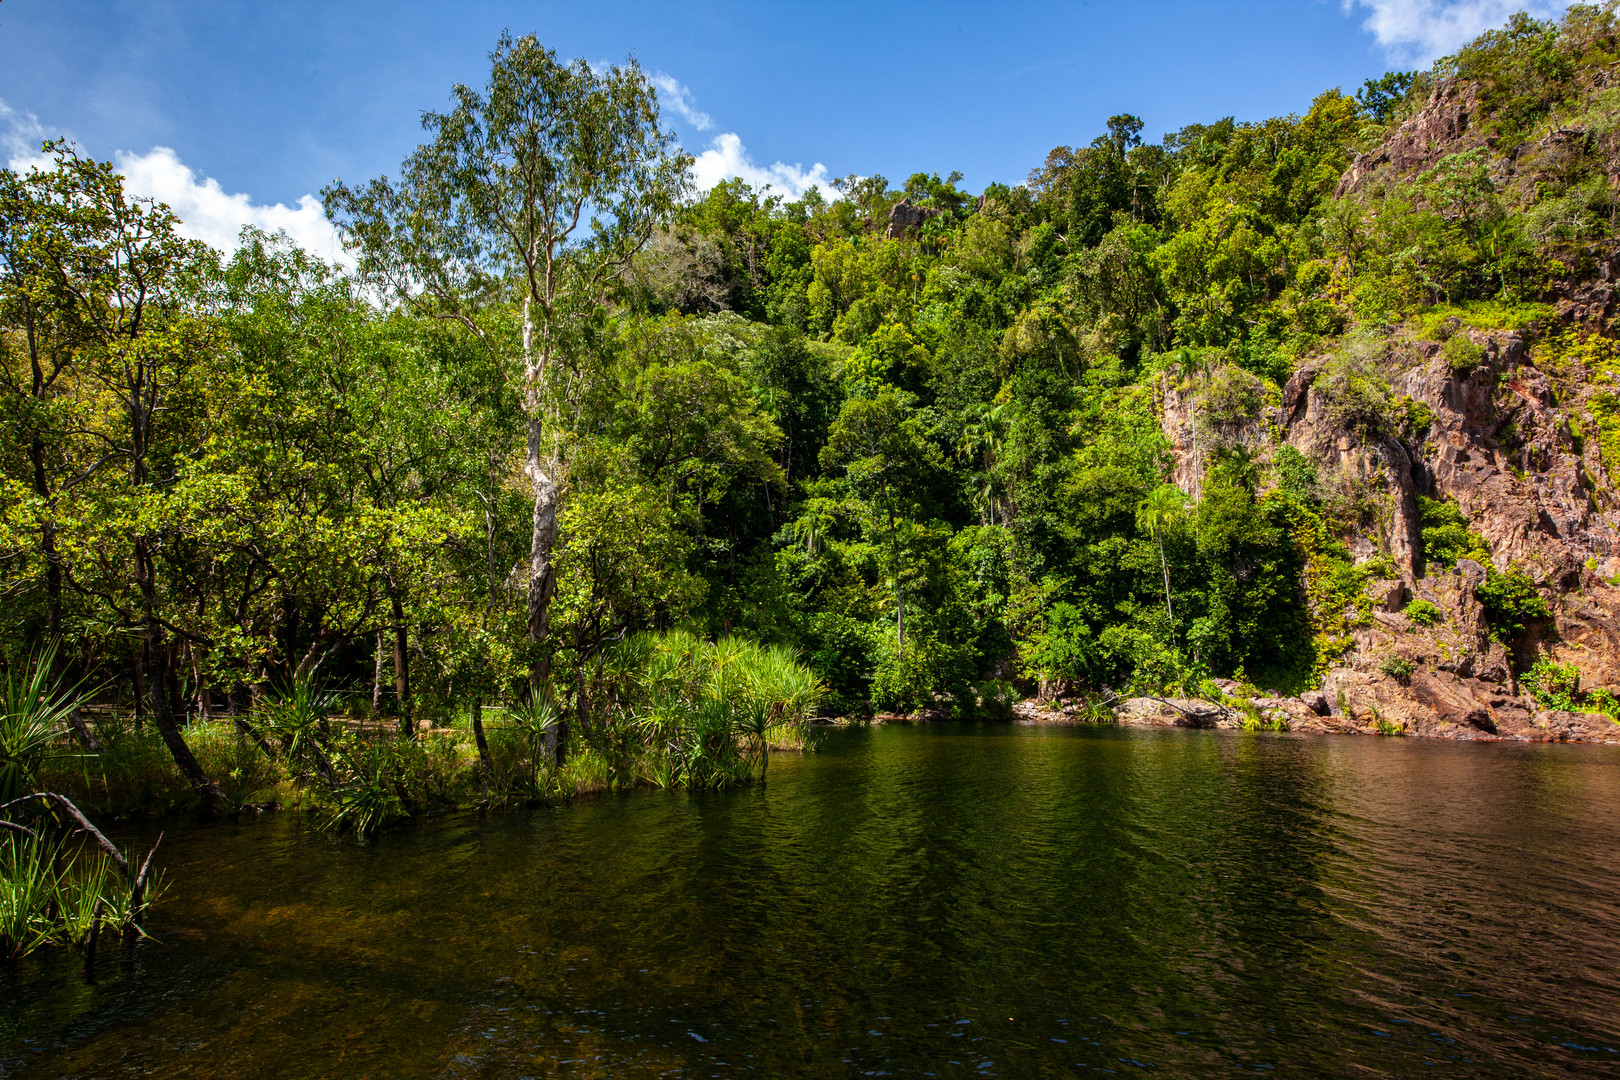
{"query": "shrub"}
(996, 699)
(928, 673)
(1558, 686)
(843, 651)
(1602, 700)
(1553, 685)
(1446, 535)
(1358, 398)
(1398, 668)
(1416, 418)
(34, 709)
(1423, 613)
(1230, 400)
(1063, 648)
(1511, 602)
(1297, 475)
(1462, 353)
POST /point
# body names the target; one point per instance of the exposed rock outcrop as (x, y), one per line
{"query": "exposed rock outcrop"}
(906, 217)
(1446, 124)
(1500, 444)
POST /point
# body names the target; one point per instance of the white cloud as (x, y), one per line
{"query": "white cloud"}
(673, 92)
(206, 212)
(1418, 31)
(20, 137)
(726, 157)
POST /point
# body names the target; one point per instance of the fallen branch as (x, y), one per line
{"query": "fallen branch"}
(66, 804)
(137, 880)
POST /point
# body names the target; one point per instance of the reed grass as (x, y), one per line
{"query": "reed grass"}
(51, 895)
(668, 711)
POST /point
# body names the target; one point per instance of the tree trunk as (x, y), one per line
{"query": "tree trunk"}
(485, 765)
(376, 677)
(543, 538)
(171, 677)
(402, 669)
(899, 596)
(42, 489)
(205, 697)
(87, 738)
(1165, 566)
(156, 679)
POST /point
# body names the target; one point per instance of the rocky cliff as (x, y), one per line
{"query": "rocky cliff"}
(1501, 444)
(1514, 439)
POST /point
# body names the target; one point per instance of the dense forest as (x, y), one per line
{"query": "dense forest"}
(568, 420)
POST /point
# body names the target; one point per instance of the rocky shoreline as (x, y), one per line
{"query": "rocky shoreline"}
(1314, 713)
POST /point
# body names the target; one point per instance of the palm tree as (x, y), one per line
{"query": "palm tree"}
(1158, 512)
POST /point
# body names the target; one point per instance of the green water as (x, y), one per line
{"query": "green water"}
(941, 901)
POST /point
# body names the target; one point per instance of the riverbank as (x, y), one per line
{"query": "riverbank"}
(1439, 713)
(371, 775)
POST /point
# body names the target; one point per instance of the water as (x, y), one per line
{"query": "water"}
(951, 902)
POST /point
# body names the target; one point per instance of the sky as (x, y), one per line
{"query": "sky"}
(239, 113)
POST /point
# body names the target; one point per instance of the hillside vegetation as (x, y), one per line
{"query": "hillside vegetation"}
(1225, 407)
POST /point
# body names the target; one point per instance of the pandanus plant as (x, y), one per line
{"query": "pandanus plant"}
(36, 712)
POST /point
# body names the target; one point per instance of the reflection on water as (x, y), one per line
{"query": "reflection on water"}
(909, 901)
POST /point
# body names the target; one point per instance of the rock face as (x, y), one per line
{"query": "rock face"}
(907, 217)
(1502, 446)
(1445, 125)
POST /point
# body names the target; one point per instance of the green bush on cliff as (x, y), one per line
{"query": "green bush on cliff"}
(1558, 686)
(1446, 535)
(1423, 613)
(1511, 603)
(1553, 685)
(1462, 353)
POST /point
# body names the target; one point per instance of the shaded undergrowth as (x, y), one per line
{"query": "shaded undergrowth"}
(667, 711)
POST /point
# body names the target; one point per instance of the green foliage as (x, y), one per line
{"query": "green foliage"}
(916, 462)
(1558, 686)
(1297, 476)
(1064, 649)
(1553, 685)
(1416, 418)
(1398, 668)
(1423, 613)
(714, 709)
(1383, 96)
(34, 708)
(52, 893)
(1600, 358)
(1357, 396)
(1433, 322)
(1446, 536)
(1389, 728)
(996, 699)
(1462, 353)
(1511, 602)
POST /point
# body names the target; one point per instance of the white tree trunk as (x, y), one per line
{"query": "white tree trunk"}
(542, 572)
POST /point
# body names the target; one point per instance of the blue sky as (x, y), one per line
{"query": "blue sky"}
(229, 109)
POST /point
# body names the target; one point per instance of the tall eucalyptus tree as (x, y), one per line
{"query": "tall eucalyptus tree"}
(540, 189)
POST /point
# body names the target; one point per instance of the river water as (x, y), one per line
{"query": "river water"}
(907, 901)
